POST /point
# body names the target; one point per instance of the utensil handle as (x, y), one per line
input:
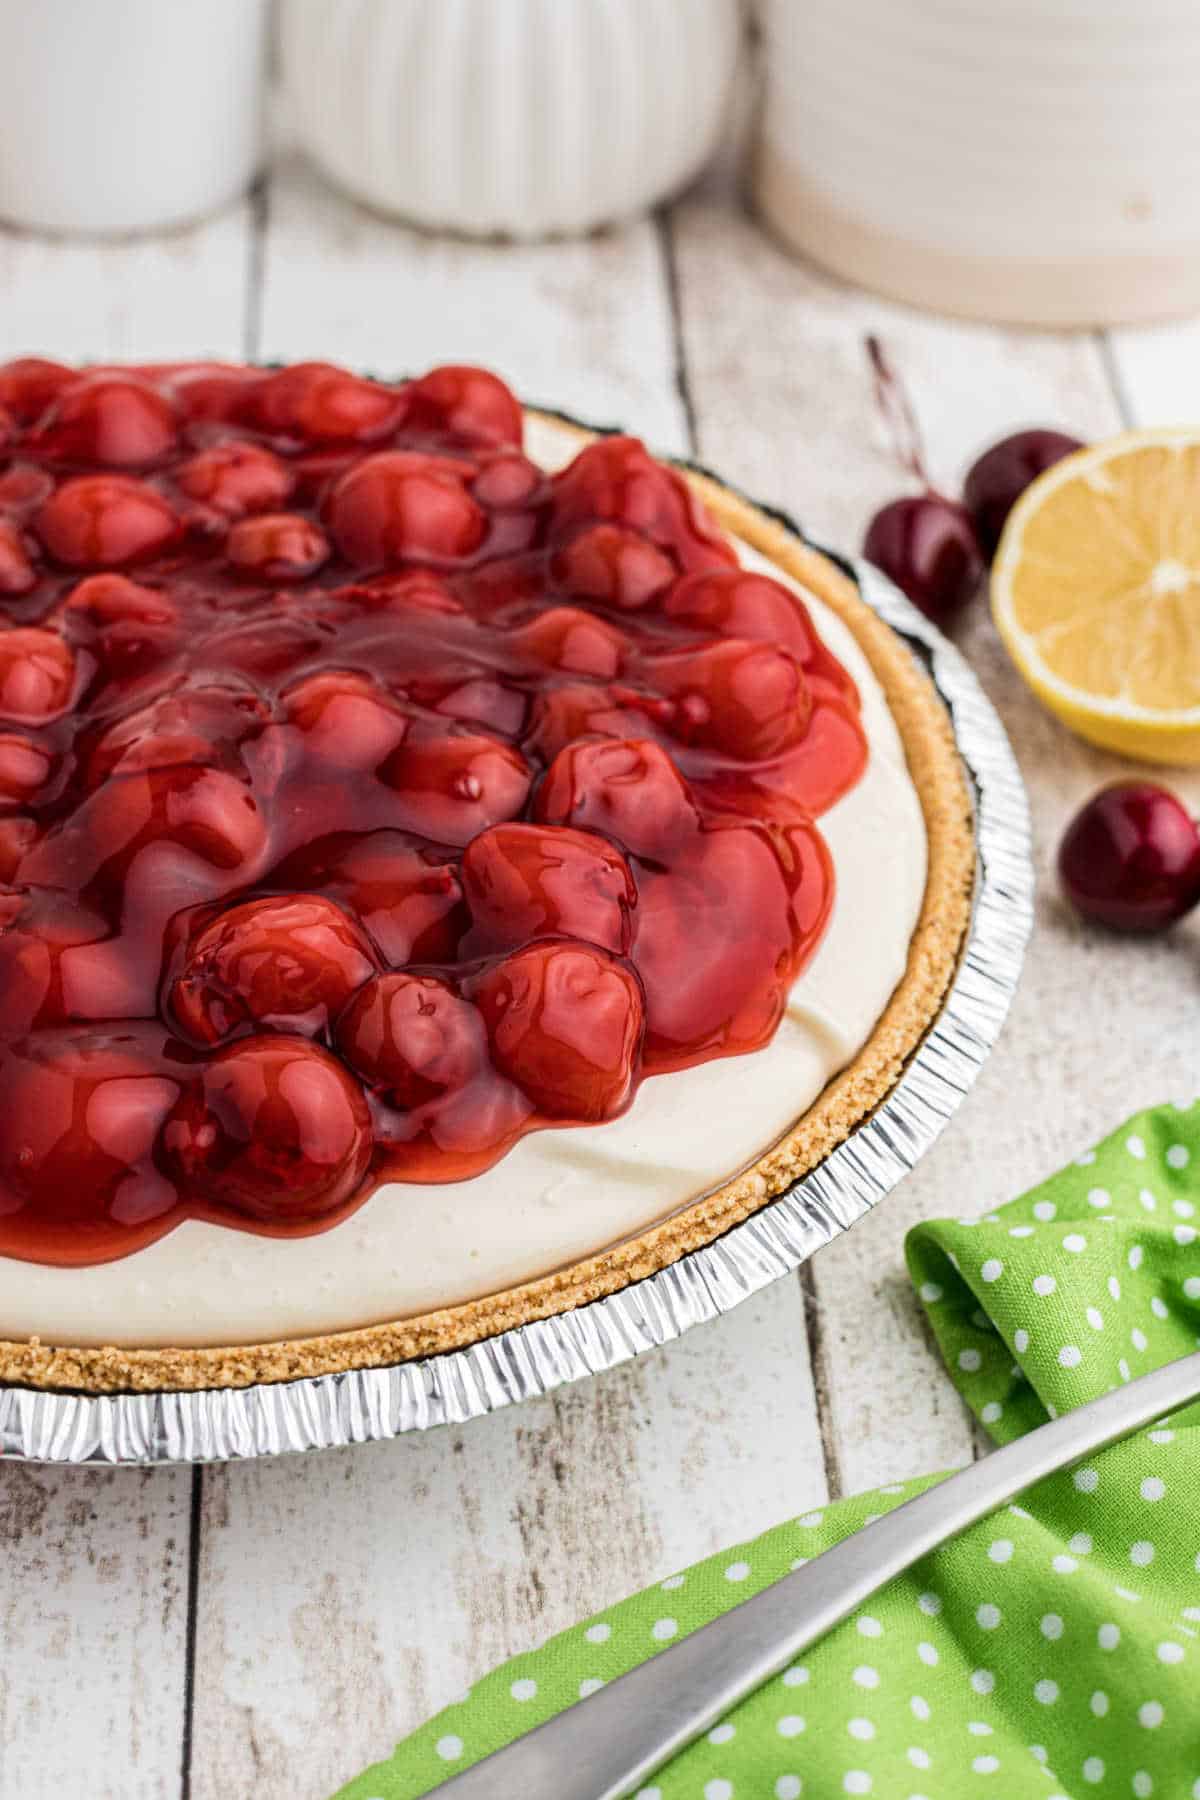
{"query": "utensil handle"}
(606, 1746)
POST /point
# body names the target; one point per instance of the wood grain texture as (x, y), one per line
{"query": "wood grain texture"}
(93, 1625)
(342, 1598)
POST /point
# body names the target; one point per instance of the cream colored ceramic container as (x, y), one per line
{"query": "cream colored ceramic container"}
(517, 117)
(1028, 160)
(126, 115)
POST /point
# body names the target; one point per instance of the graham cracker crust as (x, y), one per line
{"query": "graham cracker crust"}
(939, 779)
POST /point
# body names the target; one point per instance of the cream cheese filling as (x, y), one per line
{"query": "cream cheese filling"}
(558, 1196)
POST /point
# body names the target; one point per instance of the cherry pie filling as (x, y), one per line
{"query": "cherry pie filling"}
(368, 797)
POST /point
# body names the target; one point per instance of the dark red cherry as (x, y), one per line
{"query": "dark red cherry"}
(525, 881)
(115, 420)
(273, 1127)
(17, 573)
(207, 813)
(624, 788)
(567, 638)
(23, 487)
(471, 406)
(322, 404)
(453, 787)
(82, 1113)
(28, 385)
(236, 478)
(409, 899)
(25, 769)
(8, 428)
(1000, 476)
(741, 698)
(614, 565)
(578, 709)
(18, 835)
(37, 675)
(105, 521)
(1130, 858)
(276, 547)
(565, 1023)
(412, 1037)
(116, 600)
(400, 504)
(616, 479)
(347, 720)
(214, 392)
(507, 480)
(193, 725)
(290, 962)
(927, 546)
(743, 604)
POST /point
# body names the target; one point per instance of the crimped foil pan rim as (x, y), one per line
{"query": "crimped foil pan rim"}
(366, 1405)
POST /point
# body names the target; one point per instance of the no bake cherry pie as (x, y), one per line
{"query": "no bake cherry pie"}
(436, 890)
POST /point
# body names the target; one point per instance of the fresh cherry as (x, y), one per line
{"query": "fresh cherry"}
(1130, 859)
(277, 547)
(450, 788)
(347, 720)
(412, 1037)
(273, 1127)
(567, 638)
(927, 546)
(77, 1137)
(25, 769)
(291, 963)
(30, 384)
(17, 573)
(612, 564)
(617, 480)
(401, 504)
(624, 788)
(319, 403)
(105, 521)
(745, 699)
(204, 724)
(37, 675)
(1000, 476)
(525, 881)
(470, 406)
(565, 1023)
(115, 420)
(236, 478)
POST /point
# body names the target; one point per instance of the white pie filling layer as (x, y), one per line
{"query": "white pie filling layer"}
(558, 1196)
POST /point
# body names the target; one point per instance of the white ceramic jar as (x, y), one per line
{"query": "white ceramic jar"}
(125, 115)
(1027, 160)
(517, 117)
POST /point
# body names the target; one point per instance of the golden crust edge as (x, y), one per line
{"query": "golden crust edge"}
(937, 773)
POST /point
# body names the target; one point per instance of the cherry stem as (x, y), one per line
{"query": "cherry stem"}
(898, 413)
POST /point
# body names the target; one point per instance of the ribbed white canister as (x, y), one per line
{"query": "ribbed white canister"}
(1027, 160)
(516, 117)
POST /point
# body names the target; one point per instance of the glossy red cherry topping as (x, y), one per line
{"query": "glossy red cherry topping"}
(369, 797)
(274, 1127)
(1130, 859)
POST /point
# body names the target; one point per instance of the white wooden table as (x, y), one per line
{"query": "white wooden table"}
(264, 1630)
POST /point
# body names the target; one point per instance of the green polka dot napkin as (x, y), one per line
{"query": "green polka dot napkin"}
(1052, 1651)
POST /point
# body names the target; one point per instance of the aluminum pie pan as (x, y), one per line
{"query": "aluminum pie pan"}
(367, 1405)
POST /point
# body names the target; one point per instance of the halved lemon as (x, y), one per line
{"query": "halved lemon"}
(1096, 593)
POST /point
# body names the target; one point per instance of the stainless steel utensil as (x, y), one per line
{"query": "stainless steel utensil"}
(605, 1747)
